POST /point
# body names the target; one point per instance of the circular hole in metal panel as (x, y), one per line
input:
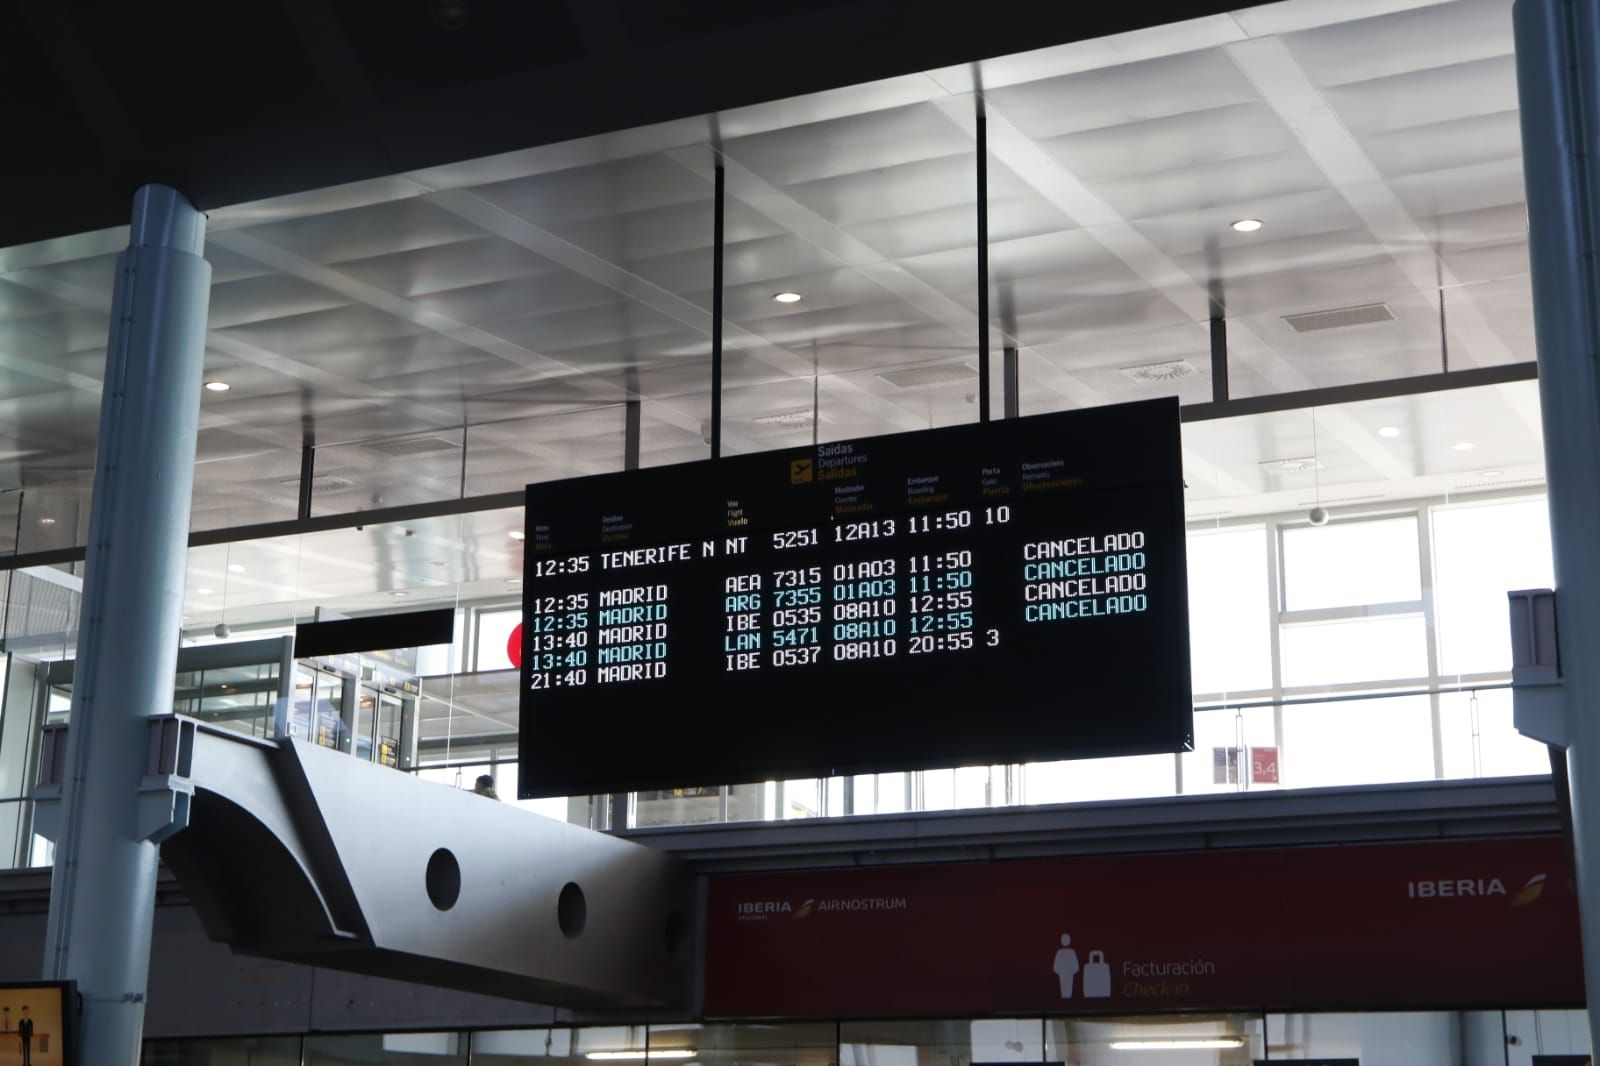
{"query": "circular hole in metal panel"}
(443, 879)
(572, 910)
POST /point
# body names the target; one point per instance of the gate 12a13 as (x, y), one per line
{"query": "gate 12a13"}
(1001, 592)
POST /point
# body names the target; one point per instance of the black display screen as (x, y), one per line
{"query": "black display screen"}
(1000, 592)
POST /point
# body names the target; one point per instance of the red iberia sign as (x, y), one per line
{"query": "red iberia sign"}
(1483, 923)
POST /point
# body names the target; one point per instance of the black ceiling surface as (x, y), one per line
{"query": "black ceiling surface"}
(240, 100)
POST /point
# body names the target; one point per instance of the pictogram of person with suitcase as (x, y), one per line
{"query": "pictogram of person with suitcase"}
(1096, 972)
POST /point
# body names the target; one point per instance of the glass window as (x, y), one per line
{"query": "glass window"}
(962, 787)
(803, 1044)
(1348, 564)
(1224, 742)
(1478, 740)
(224, 1051)
(494, 634)
(1481, 552)
(1200, 1040)
(1081, 780)
(1541, 1033)
(1379, 1038)
(367, 1049)
(1345, 650)
(948, 1042)
(1230, 629)
(1357, 742)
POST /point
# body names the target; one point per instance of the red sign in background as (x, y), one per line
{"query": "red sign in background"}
(1484, 923)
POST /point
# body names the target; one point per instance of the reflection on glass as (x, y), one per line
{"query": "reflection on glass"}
(953, 1041)
(389, 719)
(224, 1051)
(328, 728)
(1199, 1040)
(366, 716)
(367, 1049)
(302, 705)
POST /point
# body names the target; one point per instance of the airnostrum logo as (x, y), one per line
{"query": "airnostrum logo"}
(762, 910)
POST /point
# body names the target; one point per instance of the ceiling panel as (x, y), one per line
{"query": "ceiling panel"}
(522, 294)
(1435, 35)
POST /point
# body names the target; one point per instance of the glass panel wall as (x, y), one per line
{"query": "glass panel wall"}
(1386, 1038)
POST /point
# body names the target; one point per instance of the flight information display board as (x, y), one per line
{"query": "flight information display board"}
(998, 592)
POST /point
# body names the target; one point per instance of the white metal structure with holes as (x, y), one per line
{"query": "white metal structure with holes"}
(297, 852)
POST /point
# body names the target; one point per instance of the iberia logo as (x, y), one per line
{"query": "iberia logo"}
(805, 910)
(1529, 892)
(1443, 888)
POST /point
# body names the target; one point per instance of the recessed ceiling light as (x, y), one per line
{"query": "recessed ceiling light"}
(517, 534)
(235, 568)
(1490, 473)
(203, 591)
(786, 297)
(1463, 446)
(1247, 225)
(1388, 431)
(217, 386)
(46, 520)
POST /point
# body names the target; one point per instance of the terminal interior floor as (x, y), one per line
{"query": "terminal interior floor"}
(1304, 222)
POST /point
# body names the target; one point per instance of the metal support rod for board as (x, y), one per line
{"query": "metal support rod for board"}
(719, 192)
(308, 471)
(1558, 83)
(1219, 358)
(982, 137)
(616, 820)
(630, 434)
(1011, 381)
(112, 816)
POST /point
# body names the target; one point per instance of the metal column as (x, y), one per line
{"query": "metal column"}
(1557, 47)
(102, 892)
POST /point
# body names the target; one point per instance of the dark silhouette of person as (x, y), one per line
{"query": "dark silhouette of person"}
(485, 787)
(25, 1034)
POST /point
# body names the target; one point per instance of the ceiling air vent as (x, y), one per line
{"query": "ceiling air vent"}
(917, 377)
(1343, 499)
(788, 418)
(321, 484)
(1292, 464)
(1156, 373)
(407, 446)
(1340, 317)
(1505, 483)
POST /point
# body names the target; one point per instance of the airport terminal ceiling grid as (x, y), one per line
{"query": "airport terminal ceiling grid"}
(462, 330)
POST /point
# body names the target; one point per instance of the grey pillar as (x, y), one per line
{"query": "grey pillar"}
(102, 893)
(1557, 44)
